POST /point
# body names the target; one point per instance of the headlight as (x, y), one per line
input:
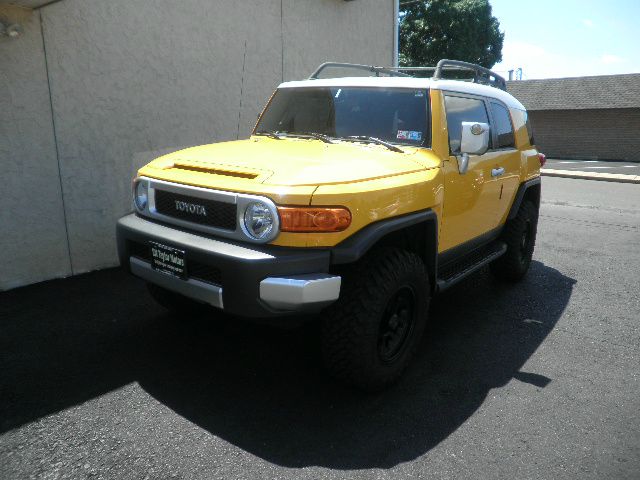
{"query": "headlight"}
(258, 220)
(141, 194)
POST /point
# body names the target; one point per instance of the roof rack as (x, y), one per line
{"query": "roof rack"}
(481, 74)
(391, 71)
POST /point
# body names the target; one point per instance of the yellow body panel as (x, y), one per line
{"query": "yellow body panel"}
(471, 199)
(476, 202)
(309, 172)
(373, 182)
(293, 162)
(377, 200)
(280, 194)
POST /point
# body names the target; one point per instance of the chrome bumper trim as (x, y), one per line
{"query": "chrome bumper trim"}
(191, 288)
(300, 292)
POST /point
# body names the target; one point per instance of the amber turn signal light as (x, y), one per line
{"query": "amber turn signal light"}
(312, 219)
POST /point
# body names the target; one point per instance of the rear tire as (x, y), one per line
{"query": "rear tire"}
(371, 333)
(520, 237)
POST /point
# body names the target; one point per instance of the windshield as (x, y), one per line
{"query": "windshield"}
(395, 115)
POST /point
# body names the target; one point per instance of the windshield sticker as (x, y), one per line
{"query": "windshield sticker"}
(409, 135)
(419, 93)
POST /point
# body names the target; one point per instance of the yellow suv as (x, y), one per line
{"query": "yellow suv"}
(358, 197)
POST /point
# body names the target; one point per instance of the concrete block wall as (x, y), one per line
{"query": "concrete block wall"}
(103, 87)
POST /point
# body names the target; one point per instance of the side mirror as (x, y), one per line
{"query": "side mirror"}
(474, 141)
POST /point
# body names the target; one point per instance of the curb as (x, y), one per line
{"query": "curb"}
(603, 177)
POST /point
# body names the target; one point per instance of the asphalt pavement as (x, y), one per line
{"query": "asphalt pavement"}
(537, 380)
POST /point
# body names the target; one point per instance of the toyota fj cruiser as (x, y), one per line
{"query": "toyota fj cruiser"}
(357, 197)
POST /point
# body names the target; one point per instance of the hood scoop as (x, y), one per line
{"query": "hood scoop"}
(214, 170)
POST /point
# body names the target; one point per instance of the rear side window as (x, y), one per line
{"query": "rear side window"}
(462, 109)
(503, 126)
(529, 128)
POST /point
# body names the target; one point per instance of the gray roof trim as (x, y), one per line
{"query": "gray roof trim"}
(578, 93)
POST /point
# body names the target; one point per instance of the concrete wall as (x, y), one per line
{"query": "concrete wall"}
(609, 134)
(33, 239)
(316, 31)
(131, 78)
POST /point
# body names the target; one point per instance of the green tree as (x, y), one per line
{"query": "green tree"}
(455, 29)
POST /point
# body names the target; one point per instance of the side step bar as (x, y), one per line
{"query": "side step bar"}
(471, 264)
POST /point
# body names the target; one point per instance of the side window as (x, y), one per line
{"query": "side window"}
(461, 109)
(529, 128)
(503, 126)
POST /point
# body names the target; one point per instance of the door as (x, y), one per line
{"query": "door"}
(507, 158)
(470, 199)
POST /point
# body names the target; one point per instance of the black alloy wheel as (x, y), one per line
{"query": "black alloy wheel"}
(397, 324)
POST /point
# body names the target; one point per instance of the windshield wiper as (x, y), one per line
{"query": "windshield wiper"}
(269, 133)
(317, 136)
(367, 139)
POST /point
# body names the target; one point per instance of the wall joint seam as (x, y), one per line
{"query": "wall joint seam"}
(282, 38)
(55, 141)
(244, 62)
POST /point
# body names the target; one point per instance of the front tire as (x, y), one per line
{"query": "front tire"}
(520, 237)
(371, 333)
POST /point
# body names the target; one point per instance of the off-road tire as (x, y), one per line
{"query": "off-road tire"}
(174, 302)
(520, 236)
(352, 327)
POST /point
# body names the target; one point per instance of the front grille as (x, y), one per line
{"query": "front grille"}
(196, 270)
(218, 214)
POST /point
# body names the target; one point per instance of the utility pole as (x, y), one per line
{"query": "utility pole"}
(396, 32)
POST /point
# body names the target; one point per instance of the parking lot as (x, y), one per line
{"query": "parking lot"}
(595, 166)
(537, 380)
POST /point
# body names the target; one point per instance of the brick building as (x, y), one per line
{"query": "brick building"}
(584, 117)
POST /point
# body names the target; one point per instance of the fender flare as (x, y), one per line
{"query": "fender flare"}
(522, 189)
(357, 245)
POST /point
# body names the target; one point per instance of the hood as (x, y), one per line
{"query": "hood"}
(295, 162)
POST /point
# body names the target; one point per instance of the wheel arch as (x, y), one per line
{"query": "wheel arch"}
(529, 190)
(415, 232)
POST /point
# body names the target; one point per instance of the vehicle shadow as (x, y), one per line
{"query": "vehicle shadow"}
(263, 389)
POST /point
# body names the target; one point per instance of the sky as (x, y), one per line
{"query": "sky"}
(569, 38)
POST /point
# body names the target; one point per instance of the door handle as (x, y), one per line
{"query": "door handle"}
(496, 172)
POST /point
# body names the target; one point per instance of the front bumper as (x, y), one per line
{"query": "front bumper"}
(245, 280)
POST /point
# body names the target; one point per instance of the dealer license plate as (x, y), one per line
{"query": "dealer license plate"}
(168, 260)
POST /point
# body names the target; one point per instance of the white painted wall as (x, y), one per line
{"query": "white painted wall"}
(130, 79)
(33, 242)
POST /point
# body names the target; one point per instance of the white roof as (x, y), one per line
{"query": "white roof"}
(410, 82)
